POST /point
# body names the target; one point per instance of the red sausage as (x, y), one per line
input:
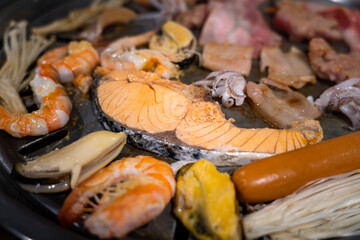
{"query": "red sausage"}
(277, 176)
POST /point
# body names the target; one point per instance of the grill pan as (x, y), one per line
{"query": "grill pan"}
(29, 215)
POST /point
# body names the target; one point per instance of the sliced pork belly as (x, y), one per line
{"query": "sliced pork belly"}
(330, 65)
(300, 22)
(280, 107)
(291, 68)
(227, 57)
(238, 22)
(345, 98)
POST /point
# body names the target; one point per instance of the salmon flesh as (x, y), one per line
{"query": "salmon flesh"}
(179, 121)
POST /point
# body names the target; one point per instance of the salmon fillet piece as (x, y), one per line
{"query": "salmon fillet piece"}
(181, 113)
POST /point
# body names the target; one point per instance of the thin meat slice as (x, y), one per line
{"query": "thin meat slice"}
(333, 66)
(280, 107)
(238, 22)
(227, 57)
(291, 68)
(300, 22)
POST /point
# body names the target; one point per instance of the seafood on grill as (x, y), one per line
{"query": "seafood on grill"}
(73, 63)
(121, 197)
(225, 84)
(178, 120)
(64, 64)
(177, 42)
(122, 55)
(344, 97)
(53, 113)
(81, 159)
(205, 202)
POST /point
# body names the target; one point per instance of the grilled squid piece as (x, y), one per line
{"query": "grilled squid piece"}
(345, 98)
(81, 159)
(225, 84)
(177, 42)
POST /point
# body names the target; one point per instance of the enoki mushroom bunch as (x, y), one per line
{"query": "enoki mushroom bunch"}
(20, 52)
(327, 207)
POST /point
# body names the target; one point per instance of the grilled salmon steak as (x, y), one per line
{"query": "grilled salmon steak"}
(182, 114)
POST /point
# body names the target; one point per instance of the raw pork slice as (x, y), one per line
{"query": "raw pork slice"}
(348, 23)
(238, 22)
(300, 22)
(291, 68)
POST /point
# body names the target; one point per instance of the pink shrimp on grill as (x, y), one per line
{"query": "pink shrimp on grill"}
(122, 55)
(54, 103)
(72, 62)
(54, 111)
(121, 197)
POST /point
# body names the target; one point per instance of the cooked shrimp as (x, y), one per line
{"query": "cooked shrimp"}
(71, 61)
(122, 55)
(54, 111)
(121, 197)
(59, 65)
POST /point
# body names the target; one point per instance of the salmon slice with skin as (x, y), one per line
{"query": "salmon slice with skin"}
(146, 102)
(205, 126)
